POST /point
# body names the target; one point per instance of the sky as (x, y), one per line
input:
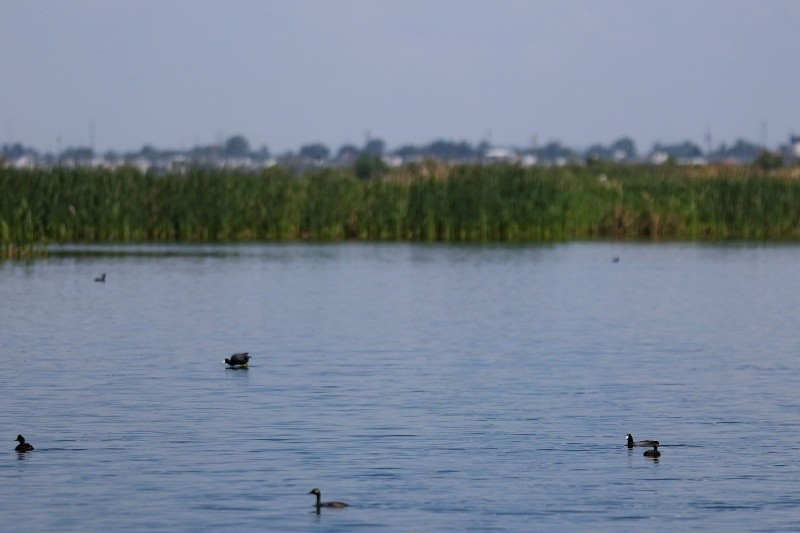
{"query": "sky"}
(120, 74)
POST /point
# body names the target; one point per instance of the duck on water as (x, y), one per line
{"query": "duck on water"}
(641, 443)
(238, 360)
(23, 446)
(320, 504)
(654, 453)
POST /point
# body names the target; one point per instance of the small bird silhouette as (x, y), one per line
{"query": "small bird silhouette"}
(238, 360)
(654, 453)
(645, 443)
(23, 446)
(320, 504)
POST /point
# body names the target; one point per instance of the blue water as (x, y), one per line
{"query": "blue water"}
(432, 387)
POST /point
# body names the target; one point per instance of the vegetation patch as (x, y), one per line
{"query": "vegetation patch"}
(422, 202)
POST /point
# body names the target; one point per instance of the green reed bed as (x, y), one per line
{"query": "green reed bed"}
(424, 202)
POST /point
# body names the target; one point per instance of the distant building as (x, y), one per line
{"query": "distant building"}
(794, 141)
(392, 161)
(501, 155)
(659, 158)
(24, 161)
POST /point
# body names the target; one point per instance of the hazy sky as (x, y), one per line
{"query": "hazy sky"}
(176, 74)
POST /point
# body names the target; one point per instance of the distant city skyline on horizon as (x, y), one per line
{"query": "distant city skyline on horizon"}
(219, 141)
(707, 144)
(117, 76)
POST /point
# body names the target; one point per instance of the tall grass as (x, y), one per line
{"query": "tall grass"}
(424, 202)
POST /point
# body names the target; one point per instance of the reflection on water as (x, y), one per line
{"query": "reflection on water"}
(430, 386)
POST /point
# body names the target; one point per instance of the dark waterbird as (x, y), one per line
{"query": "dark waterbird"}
(320, 504)
(23, 446)
(102, 278)
(238, 360)
(654, 453)
(641, 443)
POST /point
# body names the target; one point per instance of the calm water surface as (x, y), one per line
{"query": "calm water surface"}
(432, 387)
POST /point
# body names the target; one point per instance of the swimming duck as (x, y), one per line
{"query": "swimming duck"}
(645, 443)
(654, 453)
(23, 446)
(238, 360)
(102, 278)
(321, 504)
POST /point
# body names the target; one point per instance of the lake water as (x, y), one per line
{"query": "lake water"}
(433, 387)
